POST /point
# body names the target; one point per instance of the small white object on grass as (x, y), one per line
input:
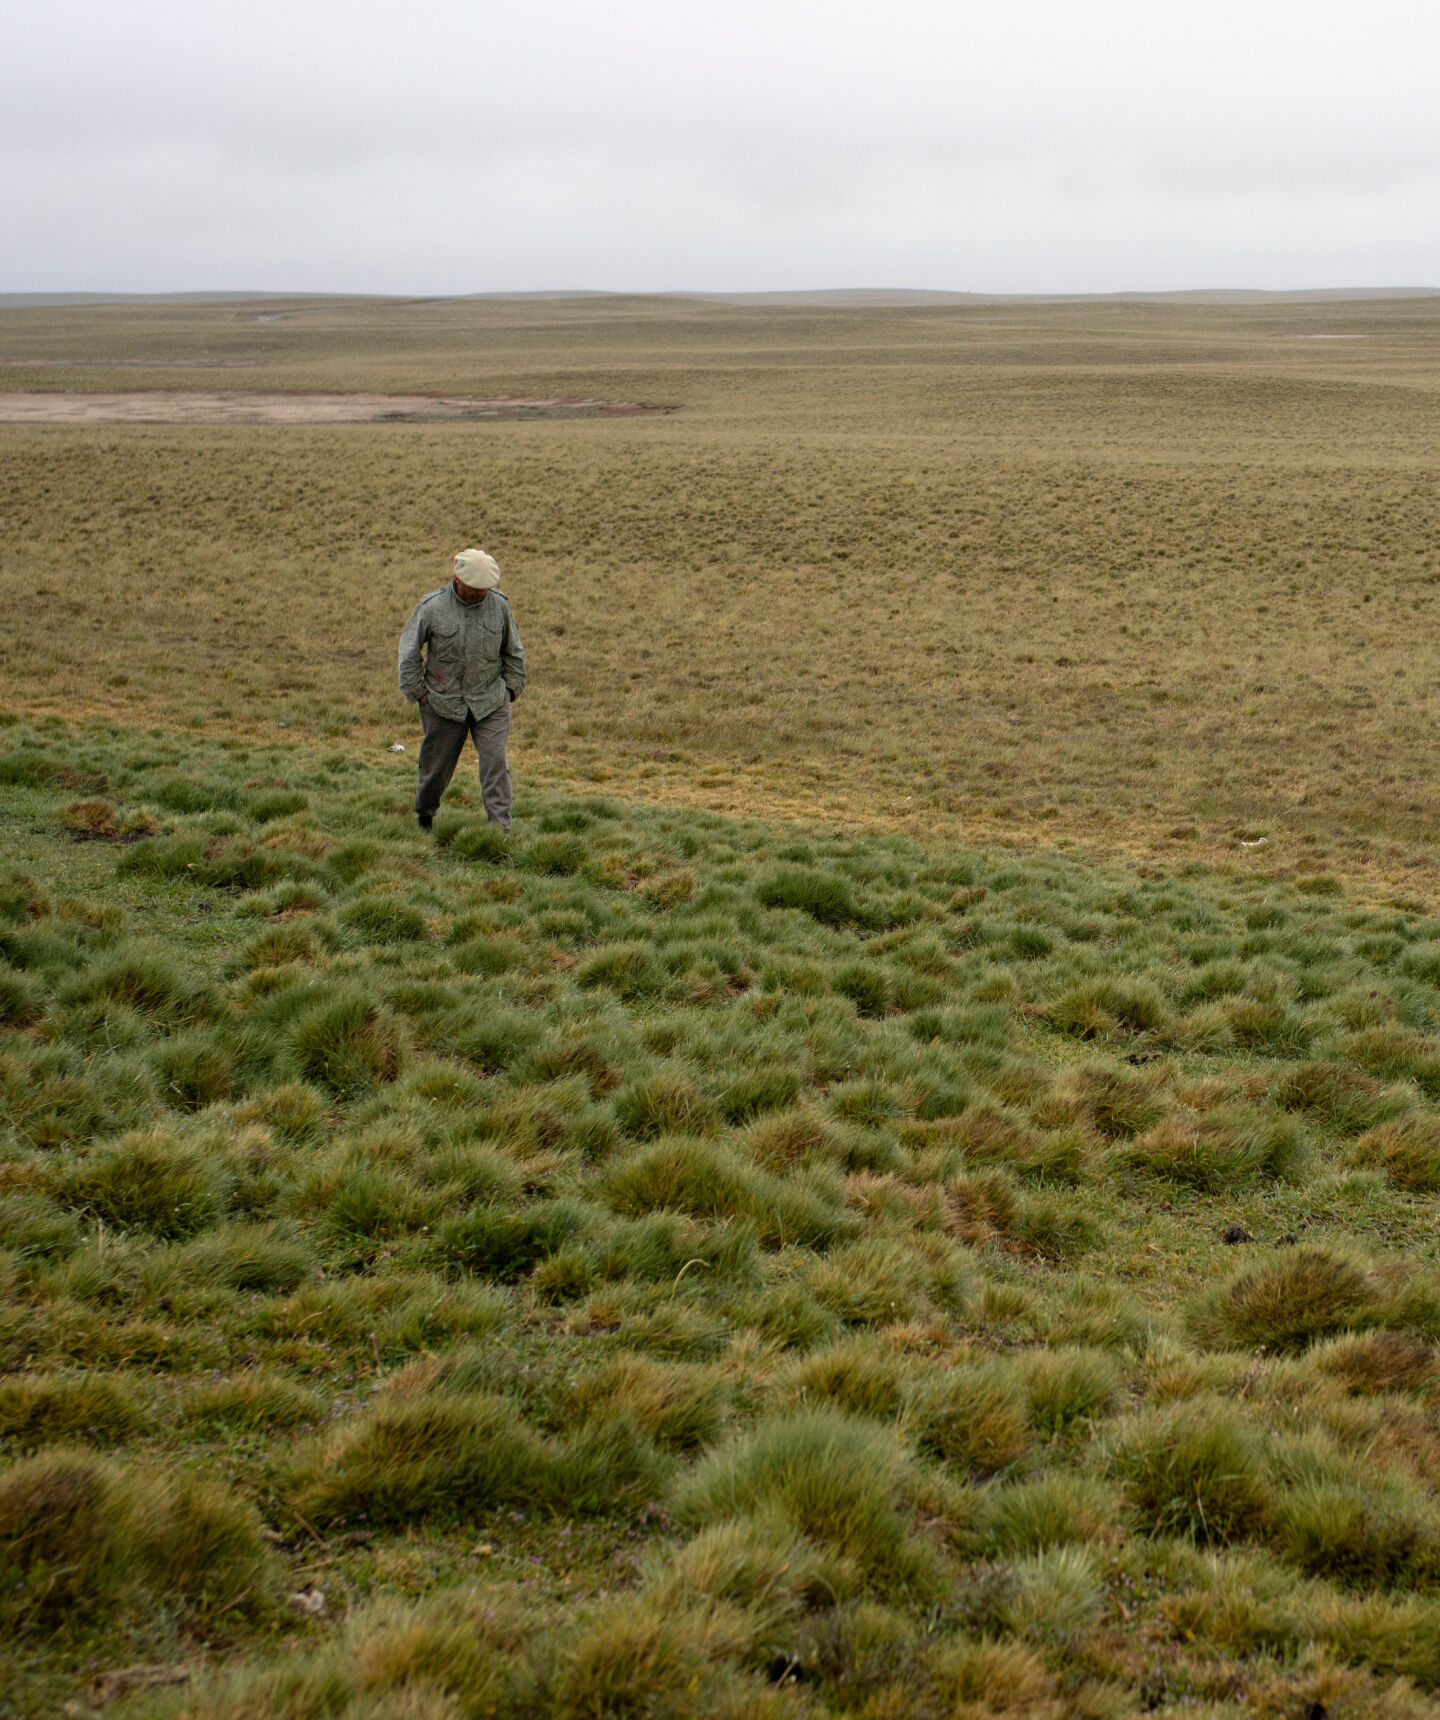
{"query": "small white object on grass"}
(311, 1602)
(397, 746)
(1259, 842)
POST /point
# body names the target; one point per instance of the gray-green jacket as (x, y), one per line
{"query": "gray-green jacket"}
(472, 654)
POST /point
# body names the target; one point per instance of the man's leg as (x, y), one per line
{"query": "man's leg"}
(439, 754)
(491, 735)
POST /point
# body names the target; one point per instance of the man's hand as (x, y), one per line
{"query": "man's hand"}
(424, 699)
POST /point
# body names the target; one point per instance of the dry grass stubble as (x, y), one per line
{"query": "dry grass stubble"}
(1155, 579)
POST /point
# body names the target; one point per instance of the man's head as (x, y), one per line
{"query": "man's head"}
(475, 573)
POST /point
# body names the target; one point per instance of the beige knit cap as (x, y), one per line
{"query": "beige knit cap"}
(479, 571)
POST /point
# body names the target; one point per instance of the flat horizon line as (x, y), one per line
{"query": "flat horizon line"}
(818, 297)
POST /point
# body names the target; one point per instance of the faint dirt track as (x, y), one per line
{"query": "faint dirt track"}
(174, 406)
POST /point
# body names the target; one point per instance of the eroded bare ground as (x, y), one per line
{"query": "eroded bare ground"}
(176, 406)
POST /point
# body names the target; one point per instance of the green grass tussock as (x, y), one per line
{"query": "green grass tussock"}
(1287, 1303)
(688, 1296)
(77, 1535)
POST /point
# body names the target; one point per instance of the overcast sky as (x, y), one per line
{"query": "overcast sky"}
(435, 146)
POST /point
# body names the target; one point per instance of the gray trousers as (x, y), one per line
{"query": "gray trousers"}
(440, 753)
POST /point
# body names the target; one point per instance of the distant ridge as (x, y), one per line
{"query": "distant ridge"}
(839, 297)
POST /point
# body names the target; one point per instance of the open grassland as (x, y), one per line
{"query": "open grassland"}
(1139, 578)
(669, 1264)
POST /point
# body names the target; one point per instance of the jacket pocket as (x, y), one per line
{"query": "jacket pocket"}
(442, 660)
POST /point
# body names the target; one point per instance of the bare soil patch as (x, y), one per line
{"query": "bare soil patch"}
(177, 406)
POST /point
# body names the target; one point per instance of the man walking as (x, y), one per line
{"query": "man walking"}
(473, 668)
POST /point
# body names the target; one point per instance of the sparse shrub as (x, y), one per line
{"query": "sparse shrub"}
(662, 1105)
(1407, 1150)
(1213, 1150)
(44, 1409)
(1287, 1302)
(1070, 1386)
(146, 1181)
(383, 920)
(346, 1044)
(1195, 1469)
(972, 1415)
(821, 895)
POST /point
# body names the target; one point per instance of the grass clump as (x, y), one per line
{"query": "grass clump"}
(1070, 1387)
(835, 1479)
(77, 1537)
(345, 1043)
(451, 1458)
(1406, 1149)
(821, 895)
(1196, 1470)
(148, 1181)
(971, 1416)
(48, 1409)
(1360, 1537)
(251, 1402)
(1286, 1303)
(1214, 1150)
(1057, 1510)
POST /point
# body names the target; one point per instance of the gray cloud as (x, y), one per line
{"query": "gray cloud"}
(450, 148)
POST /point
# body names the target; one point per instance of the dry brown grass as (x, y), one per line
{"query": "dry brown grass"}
(1147, 578)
